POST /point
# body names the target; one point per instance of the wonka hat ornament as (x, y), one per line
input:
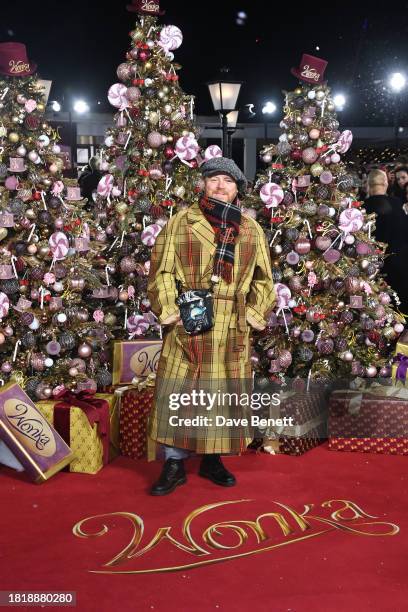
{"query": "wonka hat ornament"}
(311, 69)
(145, 7)
(14, 61)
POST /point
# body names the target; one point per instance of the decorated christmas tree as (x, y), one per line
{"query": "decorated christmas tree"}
(335, 315)
(150, 158)
(48, 337)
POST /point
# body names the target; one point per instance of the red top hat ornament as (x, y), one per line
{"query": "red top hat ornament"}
(14, 61)
(311, 69)
(145, 7)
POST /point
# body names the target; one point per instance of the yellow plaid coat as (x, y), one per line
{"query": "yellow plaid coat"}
(219, 358)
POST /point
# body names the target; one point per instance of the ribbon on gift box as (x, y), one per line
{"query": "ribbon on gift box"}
(96, 411)
(374, 391)
(402, 368)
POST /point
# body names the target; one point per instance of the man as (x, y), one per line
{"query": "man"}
(391, 228)
(209, 242)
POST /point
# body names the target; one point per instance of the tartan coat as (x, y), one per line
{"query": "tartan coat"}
(220, 357)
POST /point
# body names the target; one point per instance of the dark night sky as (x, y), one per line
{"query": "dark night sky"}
(78, 44)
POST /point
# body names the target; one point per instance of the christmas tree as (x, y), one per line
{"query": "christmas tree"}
(335, 315)
(150, 158)
(48, 338)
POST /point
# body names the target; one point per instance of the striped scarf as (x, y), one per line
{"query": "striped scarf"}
(224, 218)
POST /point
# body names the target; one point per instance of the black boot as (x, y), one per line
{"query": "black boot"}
(173, 474)
(212, 468)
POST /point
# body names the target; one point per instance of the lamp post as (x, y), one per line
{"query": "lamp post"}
(224, 93)
(268, 109)
(397, 83)
(232, 119)
(80, 107)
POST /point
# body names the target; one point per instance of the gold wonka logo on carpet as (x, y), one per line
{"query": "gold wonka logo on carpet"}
(291, 527)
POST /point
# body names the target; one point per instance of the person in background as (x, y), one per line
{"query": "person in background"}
(89, 178)
(391, 227)
(401, 180)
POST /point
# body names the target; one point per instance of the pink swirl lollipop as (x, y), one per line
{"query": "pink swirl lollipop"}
(187, 148)
(117, 96)
(212, 151)
(4, 305)
(171, 37)
(150, 234)
(137, 325)
(351, 220)
(105, 185)
(271, 194)
(283, 295)
(59, 245)
(344, 142)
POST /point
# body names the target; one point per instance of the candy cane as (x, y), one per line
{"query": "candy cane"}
(113, 244)
(126, 318)
(43, 200)
(13, 259)
(191, 107)
(369, 224)
(277, 232)
(340, 235)
(4, 93)
(282, 310)
(107, 275)
(144, 222)
(42, 293)
(305, 221)
(128, 138)
(122, 238)
(16, 349)
(169, 181)
(32, 232)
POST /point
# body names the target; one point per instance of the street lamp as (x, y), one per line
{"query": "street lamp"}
(232, 119)
(268, 109)
(397, 83)
(339, 101)
(81, 107)
(224, 94)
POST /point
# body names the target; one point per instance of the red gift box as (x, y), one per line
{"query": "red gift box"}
(135, 408)
(369, 422)
(309, 429)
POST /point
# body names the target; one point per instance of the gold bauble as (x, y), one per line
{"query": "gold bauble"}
(110, 319)
(138, 227)
(43, 250)
(40, 107)
(122, 207)
(298, 119)
(13, 137)
(298, 91)
(30, 214)
(148, 65)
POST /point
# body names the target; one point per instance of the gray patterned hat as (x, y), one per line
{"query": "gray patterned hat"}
(224, 165)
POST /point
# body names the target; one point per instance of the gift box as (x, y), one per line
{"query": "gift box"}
(309, 429)
(30, 439)
(135, 358)
(400, 362)
(373, 420)
(135, 405)
(91, 425)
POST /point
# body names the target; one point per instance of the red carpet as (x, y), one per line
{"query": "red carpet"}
(309, 565)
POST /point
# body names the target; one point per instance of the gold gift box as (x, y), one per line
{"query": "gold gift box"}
(134, 358)
(85, 442)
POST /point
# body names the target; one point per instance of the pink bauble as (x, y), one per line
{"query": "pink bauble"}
(307, 120)
(154, 139)
(309, 155)
(123, 72)
(323, 242)
(133, 94)
(314, 134)
(335, 158)
(284, 358)
(326, 177)
(302, 246)
(331, 256)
